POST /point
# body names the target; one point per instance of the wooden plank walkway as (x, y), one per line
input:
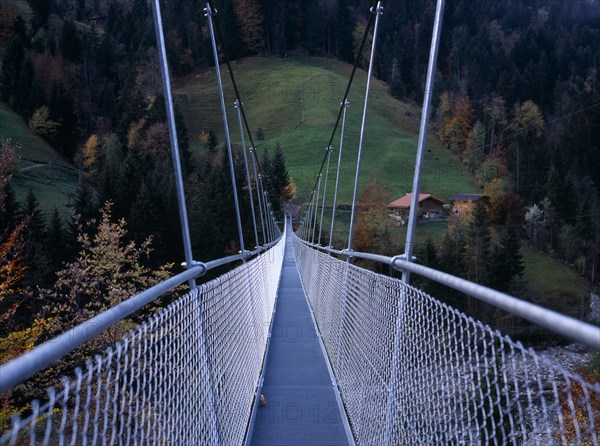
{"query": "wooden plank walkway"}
(301, 407)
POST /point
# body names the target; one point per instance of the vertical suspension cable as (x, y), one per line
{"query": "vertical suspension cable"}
(311, 211)
(265, 205)
(347, 92)
(271, 219)
(258, 193)
(412, 218)
(164, 69)
(307, 218)
(239, 114)
(345, 106)
(268, 215)
(329, 150)
(219, 35)
(312, 240)
(209, 14)
(379, 10)
(401, 312)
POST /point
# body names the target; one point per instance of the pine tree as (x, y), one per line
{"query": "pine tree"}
(506, 261)
(35, 254)
(85, 206)
(11, 67)
(343, 32)
(9, 210)
(70, 43)
(62, 110)
(279, 178)
(57, 247)
(478, 244)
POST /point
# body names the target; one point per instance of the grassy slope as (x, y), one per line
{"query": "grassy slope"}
(553, 282)
(50, 176)
(271, 90)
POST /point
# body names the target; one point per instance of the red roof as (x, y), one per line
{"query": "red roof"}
(404, 202)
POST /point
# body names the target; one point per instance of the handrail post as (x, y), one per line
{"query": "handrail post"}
(400, 315)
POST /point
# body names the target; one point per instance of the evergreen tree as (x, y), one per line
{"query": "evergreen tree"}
(23, 87)
(343, 32)
(430, 255)
(11, 67)
(62, 110)
(561, 194)
(279, 179)
(145, 221)
(57, 248)
(42, 10)
(9, 211)
(478, 244)
(35, 254)
(70, 43)
(229, 27)
(506, 261)
(86, 207)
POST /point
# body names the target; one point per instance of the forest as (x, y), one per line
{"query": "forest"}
(517, 100)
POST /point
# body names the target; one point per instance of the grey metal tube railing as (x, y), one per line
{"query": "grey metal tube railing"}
(561, 324)
(16, 371)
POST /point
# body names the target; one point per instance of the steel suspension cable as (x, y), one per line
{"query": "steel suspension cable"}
(329, 150)
(164, 68)
(345, 104)
(349, 85)
(379, 10)
(219, 38)
(209, 14)
(412, 218)
(312, 240)
(237, 106)
(258, 193)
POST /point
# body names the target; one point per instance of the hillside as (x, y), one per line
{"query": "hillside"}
(273, 91)
(39, 166)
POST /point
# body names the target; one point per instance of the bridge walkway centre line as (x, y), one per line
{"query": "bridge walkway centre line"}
(301, 403)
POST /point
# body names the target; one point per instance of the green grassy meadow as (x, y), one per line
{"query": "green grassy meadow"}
(549, 278)
(273, 91)
(39, 166)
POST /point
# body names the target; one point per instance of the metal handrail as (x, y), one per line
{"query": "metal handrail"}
(17, 370)
(561, 324)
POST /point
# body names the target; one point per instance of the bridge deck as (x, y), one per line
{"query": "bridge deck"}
(301, 404)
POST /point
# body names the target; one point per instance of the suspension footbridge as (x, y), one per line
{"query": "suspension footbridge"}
(297, 345)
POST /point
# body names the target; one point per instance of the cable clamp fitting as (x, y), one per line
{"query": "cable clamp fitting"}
(195, 264)
(379, 9)
(209, 11)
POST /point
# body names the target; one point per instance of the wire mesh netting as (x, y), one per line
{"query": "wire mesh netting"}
(413, 370)
(187, 375)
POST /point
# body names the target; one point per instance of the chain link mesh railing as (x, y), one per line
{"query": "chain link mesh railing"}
(188, 375)
(412, 370)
